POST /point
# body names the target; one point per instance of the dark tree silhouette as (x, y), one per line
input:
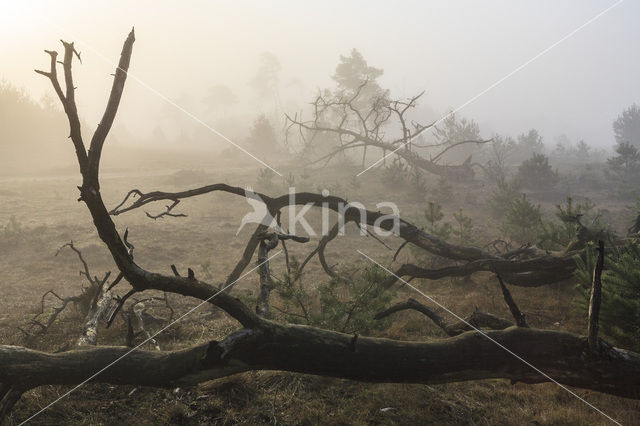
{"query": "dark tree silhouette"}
(626, 128)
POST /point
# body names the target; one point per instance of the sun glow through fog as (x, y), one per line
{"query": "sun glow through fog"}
(19, 17)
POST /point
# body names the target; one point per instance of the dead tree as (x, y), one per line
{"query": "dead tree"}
(525, 267)
(263, 344)
(93, 302)
(357, 122)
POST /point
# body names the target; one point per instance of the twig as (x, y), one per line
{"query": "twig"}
(395, 256)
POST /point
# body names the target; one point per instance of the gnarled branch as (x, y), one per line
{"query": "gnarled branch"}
(477, 319)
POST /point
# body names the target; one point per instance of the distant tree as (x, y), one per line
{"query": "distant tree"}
(624, 168)
(528, 144)
(418, 187)
(502, 196)
(262, 137)
(31, 131)
(497, 154)
(356, 84)
(536, 173)
(626, 128)
(353, 70)
(433, 214)
(453, 130)
(568, 151)
(463, 228)
(265, 82)
(396, 174)
(522, 220)
(354, 75)
(583, 150)
(563, 144)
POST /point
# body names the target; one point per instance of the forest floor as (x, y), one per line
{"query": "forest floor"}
(46, 215)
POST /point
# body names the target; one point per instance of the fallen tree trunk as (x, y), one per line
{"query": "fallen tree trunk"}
(99, 305)
(265, 345)
(270, 346)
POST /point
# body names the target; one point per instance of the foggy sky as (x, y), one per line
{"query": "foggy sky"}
(453, 50)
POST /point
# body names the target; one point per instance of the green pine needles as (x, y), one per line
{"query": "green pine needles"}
(620, 309)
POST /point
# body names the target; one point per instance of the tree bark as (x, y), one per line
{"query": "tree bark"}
(270, 346)
(267, 243)
(98, 308)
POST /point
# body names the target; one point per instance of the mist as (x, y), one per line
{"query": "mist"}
(201, 62)
(334, 212)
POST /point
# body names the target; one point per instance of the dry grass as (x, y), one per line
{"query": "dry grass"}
(49, 215)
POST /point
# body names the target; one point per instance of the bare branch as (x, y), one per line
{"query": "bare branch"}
(115, 282)
(515, 311)
(53, 75)
(477, 319)
(70, 107)
(594, 302)
(456, 144)
(121, 301)
(167, 212)
(86, 271)
(97, 142)
(395, 255)
(320, 251)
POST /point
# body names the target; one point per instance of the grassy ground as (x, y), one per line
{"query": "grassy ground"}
(47, 215)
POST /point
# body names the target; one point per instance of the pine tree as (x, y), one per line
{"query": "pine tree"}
(620, 308)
